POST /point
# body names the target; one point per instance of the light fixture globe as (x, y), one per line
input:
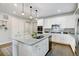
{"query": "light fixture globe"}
(31, 17)
(22, 10)
(22, 13)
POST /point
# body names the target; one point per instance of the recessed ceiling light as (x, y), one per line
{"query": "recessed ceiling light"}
(58, 10)
(15, 5)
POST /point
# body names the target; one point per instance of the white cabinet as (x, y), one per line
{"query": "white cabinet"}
(38, 49)
(17, 28)
(24, 50)
(20, 27)
(27, 27)
(34, 27)
(30, 27)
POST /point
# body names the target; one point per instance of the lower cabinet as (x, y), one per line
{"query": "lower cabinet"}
(38, 49)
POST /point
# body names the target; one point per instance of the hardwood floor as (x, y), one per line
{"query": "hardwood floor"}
(1, 53)
(55, 50)
(3, 48)
(60, 50)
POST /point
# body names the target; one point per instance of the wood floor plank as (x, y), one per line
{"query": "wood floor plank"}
(60, 50)
(1, 53)
(4, 46)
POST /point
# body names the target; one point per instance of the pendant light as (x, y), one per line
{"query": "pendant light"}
(36, 13)
(31, 17)
(22, 9)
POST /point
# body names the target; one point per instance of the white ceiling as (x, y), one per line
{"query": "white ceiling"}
(44, 9)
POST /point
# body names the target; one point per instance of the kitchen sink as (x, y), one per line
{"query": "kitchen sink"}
(39, 37)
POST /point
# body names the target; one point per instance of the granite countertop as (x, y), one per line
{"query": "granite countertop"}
(32, 41)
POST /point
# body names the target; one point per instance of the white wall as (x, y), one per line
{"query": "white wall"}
(65, 21)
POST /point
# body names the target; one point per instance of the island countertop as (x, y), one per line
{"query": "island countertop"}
(32, 41)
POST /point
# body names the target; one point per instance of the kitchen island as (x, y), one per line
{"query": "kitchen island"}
(31, 46)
